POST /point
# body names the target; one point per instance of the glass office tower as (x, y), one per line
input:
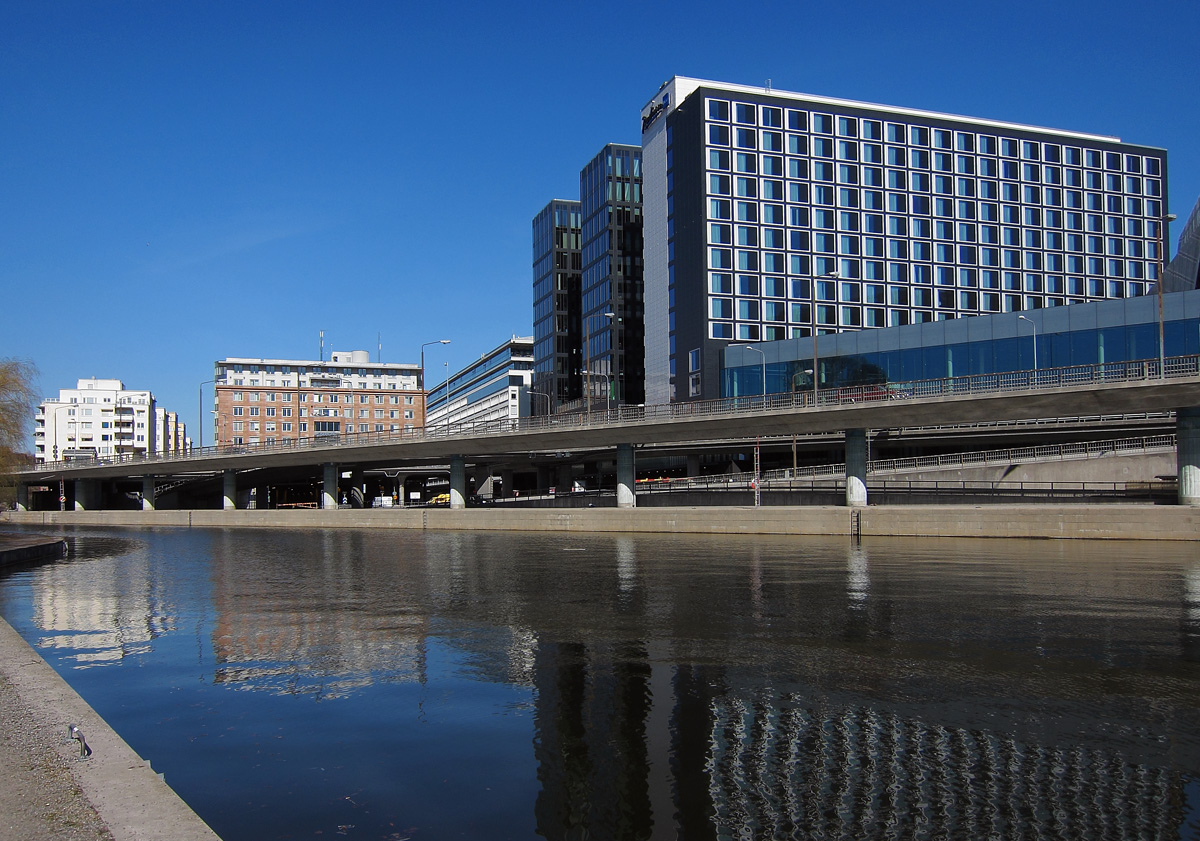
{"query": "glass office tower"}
(556, 304)
(610, 192)
(769, 215)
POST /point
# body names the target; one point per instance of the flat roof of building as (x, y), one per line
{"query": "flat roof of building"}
(690, 85)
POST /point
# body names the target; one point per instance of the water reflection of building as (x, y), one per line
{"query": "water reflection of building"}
(779, 768)
(713, 727)
(770, 764)
(324, 619)
(106, 608)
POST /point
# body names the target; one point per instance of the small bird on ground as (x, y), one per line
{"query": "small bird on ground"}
(84, 749)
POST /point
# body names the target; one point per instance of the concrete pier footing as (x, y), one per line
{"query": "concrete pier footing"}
(458, 482)
(229, 490)
(329, 486)
(626, 477)
(1187, 437)
(856, 468)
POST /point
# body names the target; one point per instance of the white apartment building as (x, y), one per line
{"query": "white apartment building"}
(98, 418)
(170, 433)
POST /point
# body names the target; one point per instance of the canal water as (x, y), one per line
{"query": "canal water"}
(408, 685)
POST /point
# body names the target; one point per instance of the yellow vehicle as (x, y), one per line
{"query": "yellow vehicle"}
(440, 499)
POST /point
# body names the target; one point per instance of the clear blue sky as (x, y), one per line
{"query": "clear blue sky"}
(185, 181)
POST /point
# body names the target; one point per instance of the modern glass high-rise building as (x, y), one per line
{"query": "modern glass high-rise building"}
(587, 285)
(610, 193)
(557, 304)
(768, 215)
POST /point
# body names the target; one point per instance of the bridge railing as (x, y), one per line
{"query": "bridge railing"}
(1012, 382)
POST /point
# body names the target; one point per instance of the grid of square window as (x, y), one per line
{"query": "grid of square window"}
(919, 223)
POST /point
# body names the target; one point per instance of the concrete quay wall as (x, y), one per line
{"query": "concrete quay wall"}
(130, 799)
(1052, 521)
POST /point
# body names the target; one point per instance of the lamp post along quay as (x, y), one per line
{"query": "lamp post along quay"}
(1035, 335)
(826, 276)
(587, 346)
(1162, 261)
(424, 390)
(764, 368)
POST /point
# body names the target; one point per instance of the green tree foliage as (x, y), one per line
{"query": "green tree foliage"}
(17, 400)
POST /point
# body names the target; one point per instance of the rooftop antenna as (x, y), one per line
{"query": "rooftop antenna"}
(321, 357)
(379, 350)
(768, 85)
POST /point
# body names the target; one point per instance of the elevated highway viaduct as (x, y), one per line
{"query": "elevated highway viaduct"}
(1116, 388)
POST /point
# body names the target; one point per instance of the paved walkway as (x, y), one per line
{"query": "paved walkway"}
(47, 793)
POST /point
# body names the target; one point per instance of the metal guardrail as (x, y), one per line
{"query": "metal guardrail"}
(1013, 382)
(991, 489)
(1039, 453)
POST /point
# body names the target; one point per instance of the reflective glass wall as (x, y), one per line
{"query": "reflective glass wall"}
(1084, 334)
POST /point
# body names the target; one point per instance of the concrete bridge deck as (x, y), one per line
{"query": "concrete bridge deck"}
(1080, 390)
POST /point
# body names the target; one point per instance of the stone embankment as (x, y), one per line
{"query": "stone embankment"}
(1059, 521)
(48, 791)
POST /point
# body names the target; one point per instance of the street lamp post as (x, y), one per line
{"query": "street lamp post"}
(587, 346)
(827, 276)
(540, 394)
(614, 385)
(62, 485)
(423, 389)
(1034, 326)
(1162, 259)
(200, 419)
(446, 365)
(764, 369)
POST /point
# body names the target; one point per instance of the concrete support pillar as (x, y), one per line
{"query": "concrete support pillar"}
(147, 493)
(856, 468)
(563, 482)
(626, 476)
(22, 496)
(1187, 454)
(358, 490)
(458, 482)
(229, 490)
(693, 465)
(87, 495)
(329, 486)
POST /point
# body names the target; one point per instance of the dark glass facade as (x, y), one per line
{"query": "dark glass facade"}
(610, 191)
(557, 315)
